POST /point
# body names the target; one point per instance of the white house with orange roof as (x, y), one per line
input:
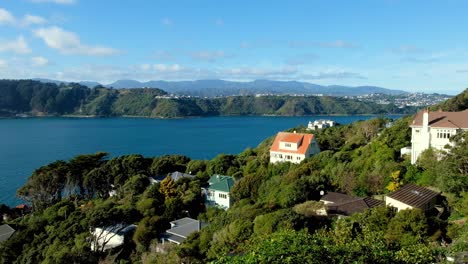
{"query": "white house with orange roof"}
(434, 129)
(293, 147)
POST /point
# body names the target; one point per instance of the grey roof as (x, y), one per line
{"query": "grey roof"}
(6, 231)
(173, 238)
(413, 195)
(182, 221)
(183, 228)
(176, 175)
(179, 175)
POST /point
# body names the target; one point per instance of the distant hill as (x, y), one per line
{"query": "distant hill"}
(18, 97)
(213, 88)
(457, 103)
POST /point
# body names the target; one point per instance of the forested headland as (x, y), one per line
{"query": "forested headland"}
(273, 218)
(34, 98)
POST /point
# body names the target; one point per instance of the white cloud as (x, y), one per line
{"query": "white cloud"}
(163, 55)
(39, 61)
(209, 56)
(69, 43)
(19, 46)
(301, 59)
(3, 63)
(219, 22)
(166, 21)
(333, 75)
(32, 20)
(407, 49)
(245, 45)
(60, 2)
(167, 68)
(333, 44)
(6, 17)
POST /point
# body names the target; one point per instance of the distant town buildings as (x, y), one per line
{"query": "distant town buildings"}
(402, 100)
(434, 129)
(293, 147)
(320, 124)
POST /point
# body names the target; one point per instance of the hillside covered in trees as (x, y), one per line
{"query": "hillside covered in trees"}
(272, 219)
(39, 99)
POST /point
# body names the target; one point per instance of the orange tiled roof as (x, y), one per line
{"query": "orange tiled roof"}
(444, 119)
(292, 138)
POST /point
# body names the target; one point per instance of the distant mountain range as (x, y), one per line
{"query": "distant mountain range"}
(213, 88)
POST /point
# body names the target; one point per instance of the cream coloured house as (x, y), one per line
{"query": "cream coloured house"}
(412, 196)
(293, 147)
(434, 129)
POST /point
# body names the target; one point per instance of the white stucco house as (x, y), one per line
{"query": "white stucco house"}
(434, 129)
(104, 238)
(293, 147)
(217, 193)
(412, 196)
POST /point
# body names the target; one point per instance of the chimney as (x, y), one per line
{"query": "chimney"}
(425, 119)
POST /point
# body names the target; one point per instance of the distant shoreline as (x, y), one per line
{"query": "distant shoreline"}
(184, 117)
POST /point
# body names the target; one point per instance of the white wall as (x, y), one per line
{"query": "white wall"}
(278, 156)
(422, 139)
(397, 204)
(215, 198)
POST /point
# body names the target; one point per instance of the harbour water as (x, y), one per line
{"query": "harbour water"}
(28, 143)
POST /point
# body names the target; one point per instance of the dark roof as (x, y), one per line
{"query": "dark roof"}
(350, 207)
(443, 119)
(335, 197)
(6, 231)
(413, 195)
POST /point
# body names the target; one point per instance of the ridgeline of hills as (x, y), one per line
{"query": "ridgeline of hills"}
(213, 88)
(38, 98)
(457, 103)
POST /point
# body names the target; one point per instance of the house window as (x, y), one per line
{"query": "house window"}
(222, 195)
(288, 157)
(287, 145)
(416, 131)
(280, 156)
(298, 158)
(443, 133)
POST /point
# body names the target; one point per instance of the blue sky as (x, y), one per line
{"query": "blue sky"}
(418, 46)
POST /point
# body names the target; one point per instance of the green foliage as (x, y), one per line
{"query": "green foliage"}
(457, 103)
(407, 227)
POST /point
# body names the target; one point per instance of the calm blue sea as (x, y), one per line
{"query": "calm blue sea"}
(26, 144)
